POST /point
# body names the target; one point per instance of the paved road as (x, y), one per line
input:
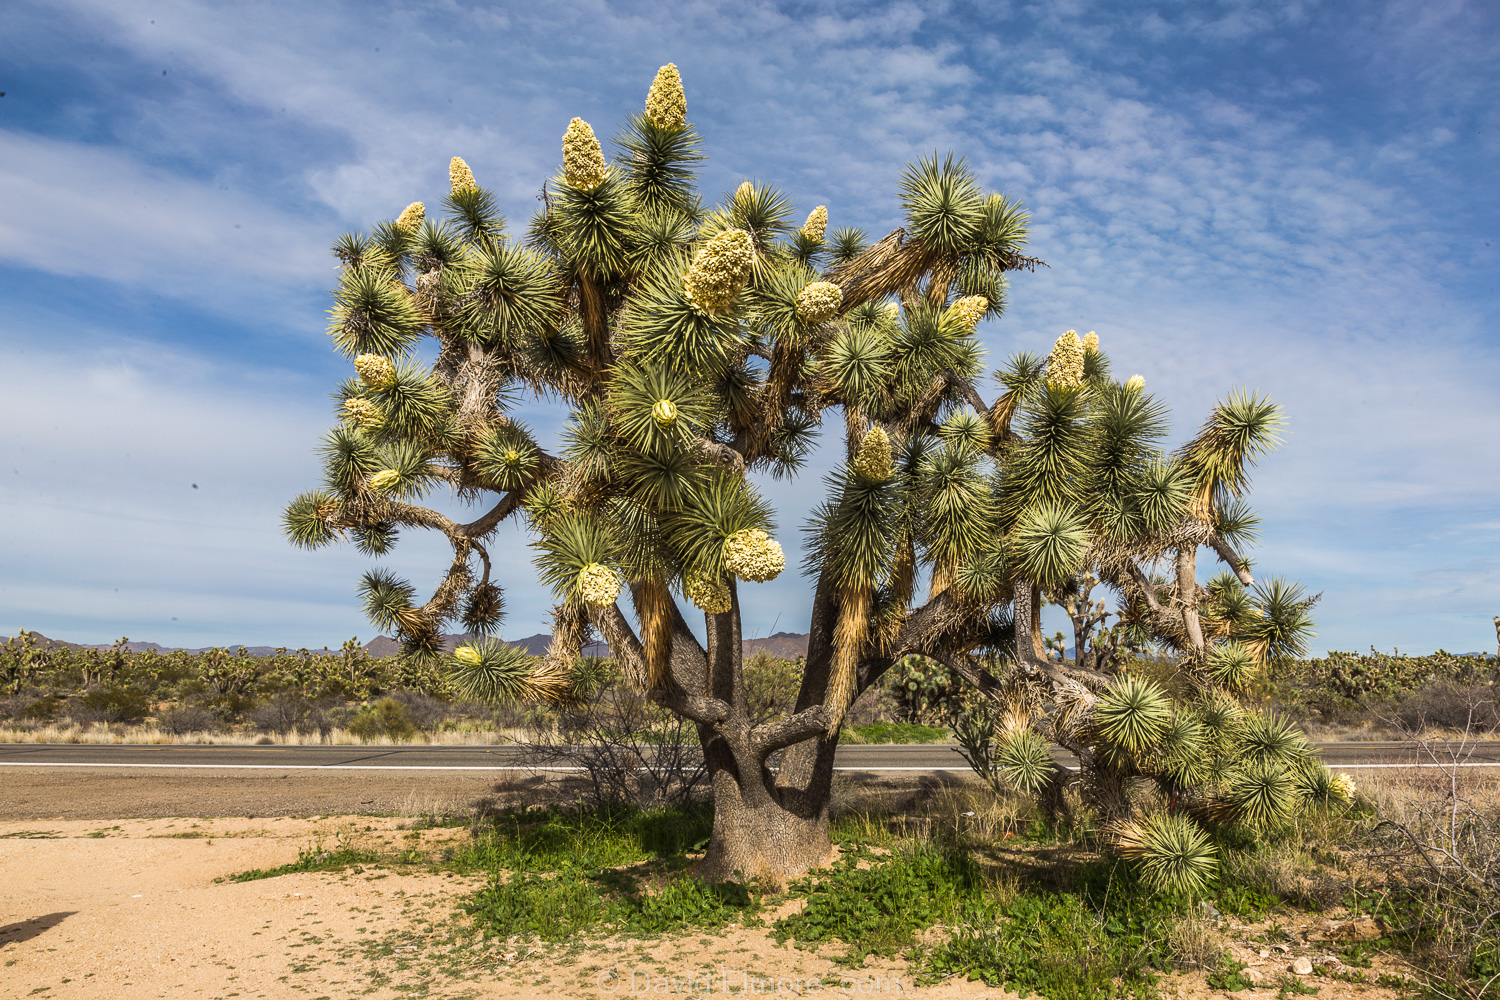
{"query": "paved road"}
(898, 757)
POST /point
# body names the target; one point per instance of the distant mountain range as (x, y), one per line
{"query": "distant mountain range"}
(783, 644)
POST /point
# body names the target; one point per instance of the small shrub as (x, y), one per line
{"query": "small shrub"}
(425, 712)
(771, 685)
(281, 714)
(112, 704)
(43, 709)
(185, 718)
(1453, 706)
(385, 718)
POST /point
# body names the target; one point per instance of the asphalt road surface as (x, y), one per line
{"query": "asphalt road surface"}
(882, 757)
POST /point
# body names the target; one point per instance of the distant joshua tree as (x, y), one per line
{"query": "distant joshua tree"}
(697, 347)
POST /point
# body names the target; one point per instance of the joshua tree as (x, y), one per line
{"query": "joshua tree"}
(698, 347)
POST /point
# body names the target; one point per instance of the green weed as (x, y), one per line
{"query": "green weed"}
(310, 860)
(879, 909)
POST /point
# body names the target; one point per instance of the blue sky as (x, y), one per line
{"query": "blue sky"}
(1298, 198)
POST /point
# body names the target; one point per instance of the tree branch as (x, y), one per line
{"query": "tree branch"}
(971, 394)
(624, 644)
(768, 737)
(723, 454)
(1232, 558)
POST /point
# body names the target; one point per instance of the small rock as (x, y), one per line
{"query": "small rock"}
(1302, 966)
(1255, 977)
(1363, 929)
(1265, 953)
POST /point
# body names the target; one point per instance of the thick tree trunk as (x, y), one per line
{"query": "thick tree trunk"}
(761, 830)
(766, 825)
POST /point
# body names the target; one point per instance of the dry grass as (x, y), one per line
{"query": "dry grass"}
(1196, 943)
(112, 733)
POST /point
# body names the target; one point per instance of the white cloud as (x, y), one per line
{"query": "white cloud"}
(1217, 228)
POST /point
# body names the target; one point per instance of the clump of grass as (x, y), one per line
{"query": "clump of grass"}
(558, 839)
(893, 732)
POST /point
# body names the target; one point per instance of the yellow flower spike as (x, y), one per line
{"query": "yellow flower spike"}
(664, 412)
(1091, 342)
(745, 190)
(598, 585)
(363, 414)
(460, 177)
(375, 371)
(816, 224)
(1343, 787)
(819, 302)
(411, 217)
(1065, 364)
(874, 460)
(385, 480)
(1135, 384)
(710, 594)
(666, 105)
(584, 165)
(970, 309)
(467, 654)
(719, 272)
(752, 555)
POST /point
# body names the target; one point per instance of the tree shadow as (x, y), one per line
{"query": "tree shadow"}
(25, 930)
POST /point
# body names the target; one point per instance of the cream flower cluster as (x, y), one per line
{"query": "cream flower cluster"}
(745, 190)
(709, 593)
(411, 217)
(666, 105)
(598, 585)
(1065, 365)
(754, 556)
(467, 654)
(460, 177)
(971, 309)
(1091, 343)
(375, 371)
(385, 480)
(816, 224)
(584, 165)
(819, 301)
(873, 460)
(1343, 787)
(664, 412)
(1135, 384)
(362, 413)
(720, 271)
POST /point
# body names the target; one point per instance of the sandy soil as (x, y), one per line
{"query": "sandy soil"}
(139, 909)
(96, 905)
